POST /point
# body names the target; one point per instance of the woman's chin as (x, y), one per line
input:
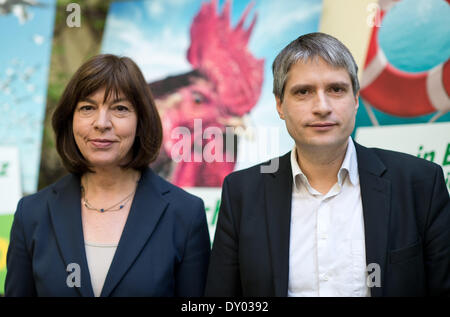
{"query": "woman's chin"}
(104, 163)
(104, 160)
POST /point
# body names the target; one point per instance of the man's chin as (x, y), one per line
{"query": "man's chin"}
(324, 142)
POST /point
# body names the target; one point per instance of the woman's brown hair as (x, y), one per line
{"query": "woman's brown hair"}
(117, 75)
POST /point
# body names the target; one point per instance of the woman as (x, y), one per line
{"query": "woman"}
(112, 227)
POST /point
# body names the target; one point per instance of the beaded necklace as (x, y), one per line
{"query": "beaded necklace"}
(116, 207)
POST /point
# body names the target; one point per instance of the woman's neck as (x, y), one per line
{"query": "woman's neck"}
(111, 181)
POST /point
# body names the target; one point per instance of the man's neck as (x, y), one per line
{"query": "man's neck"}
(321, 165)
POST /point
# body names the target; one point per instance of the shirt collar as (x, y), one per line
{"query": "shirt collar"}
(349, 166)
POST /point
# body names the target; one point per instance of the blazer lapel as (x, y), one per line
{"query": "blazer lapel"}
(146, 210)
(65, 215)
(278, 195)
(375, 196)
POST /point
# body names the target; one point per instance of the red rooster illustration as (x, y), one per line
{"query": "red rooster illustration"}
(224, 85)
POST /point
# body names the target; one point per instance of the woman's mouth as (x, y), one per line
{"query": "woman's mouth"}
(101, 143)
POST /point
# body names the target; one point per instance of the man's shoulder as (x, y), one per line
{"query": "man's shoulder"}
(402, 164)
(256, 172)
(404, 160)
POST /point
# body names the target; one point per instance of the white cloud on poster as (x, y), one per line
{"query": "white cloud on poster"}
(38, 39)
(286, 16)
(38, 99)
(157, 9)
(158, 55)
(154, 8)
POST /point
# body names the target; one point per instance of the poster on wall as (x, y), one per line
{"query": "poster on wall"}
(10, 193)
(26, 30)
(10, 185)
(405, 85)
(208, 64)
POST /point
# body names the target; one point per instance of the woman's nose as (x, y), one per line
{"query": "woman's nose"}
(102, 120)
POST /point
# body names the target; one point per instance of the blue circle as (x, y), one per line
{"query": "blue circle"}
(415, 34)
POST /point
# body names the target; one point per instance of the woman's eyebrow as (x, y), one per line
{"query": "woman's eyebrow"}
(88, 100)
(119, 100)
(95, 103)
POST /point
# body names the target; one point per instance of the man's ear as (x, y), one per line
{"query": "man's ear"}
(279, 107)
(356, 102)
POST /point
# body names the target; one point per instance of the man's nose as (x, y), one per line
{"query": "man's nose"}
(102, 120)
(321, 104)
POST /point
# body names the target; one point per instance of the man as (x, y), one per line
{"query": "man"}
(336, 218)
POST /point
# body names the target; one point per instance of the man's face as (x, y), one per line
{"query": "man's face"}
(319, 106)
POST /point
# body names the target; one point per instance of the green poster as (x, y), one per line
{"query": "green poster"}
(5, 228)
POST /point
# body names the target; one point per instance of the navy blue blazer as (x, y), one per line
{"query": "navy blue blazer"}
(406, 210)
(163, 251)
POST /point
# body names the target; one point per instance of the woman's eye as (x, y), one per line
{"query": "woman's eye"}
(86, 108)
(122, 108)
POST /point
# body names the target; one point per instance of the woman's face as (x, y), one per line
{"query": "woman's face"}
(105, 132)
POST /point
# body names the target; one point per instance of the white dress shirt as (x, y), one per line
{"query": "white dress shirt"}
(327, 248)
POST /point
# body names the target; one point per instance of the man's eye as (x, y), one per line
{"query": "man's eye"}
(302, 91)
(337, 89)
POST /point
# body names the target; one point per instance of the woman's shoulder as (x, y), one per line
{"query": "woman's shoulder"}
(38, 201)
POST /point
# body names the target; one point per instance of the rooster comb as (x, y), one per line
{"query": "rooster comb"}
(220, 51)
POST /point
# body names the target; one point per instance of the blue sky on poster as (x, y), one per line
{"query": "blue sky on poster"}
(156, 35)
(25, 57)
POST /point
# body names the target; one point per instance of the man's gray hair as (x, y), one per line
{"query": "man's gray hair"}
(310, 46)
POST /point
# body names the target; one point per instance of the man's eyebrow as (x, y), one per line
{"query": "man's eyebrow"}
(300, 86)
(339, 83)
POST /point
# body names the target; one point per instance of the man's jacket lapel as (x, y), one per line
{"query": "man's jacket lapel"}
(278, 196)
(376, 197)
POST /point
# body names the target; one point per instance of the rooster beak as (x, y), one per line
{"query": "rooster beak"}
(242, 126)
(233, 122)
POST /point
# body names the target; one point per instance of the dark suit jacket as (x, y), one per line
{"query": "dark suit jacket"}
(163, 251)
(406, 213)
